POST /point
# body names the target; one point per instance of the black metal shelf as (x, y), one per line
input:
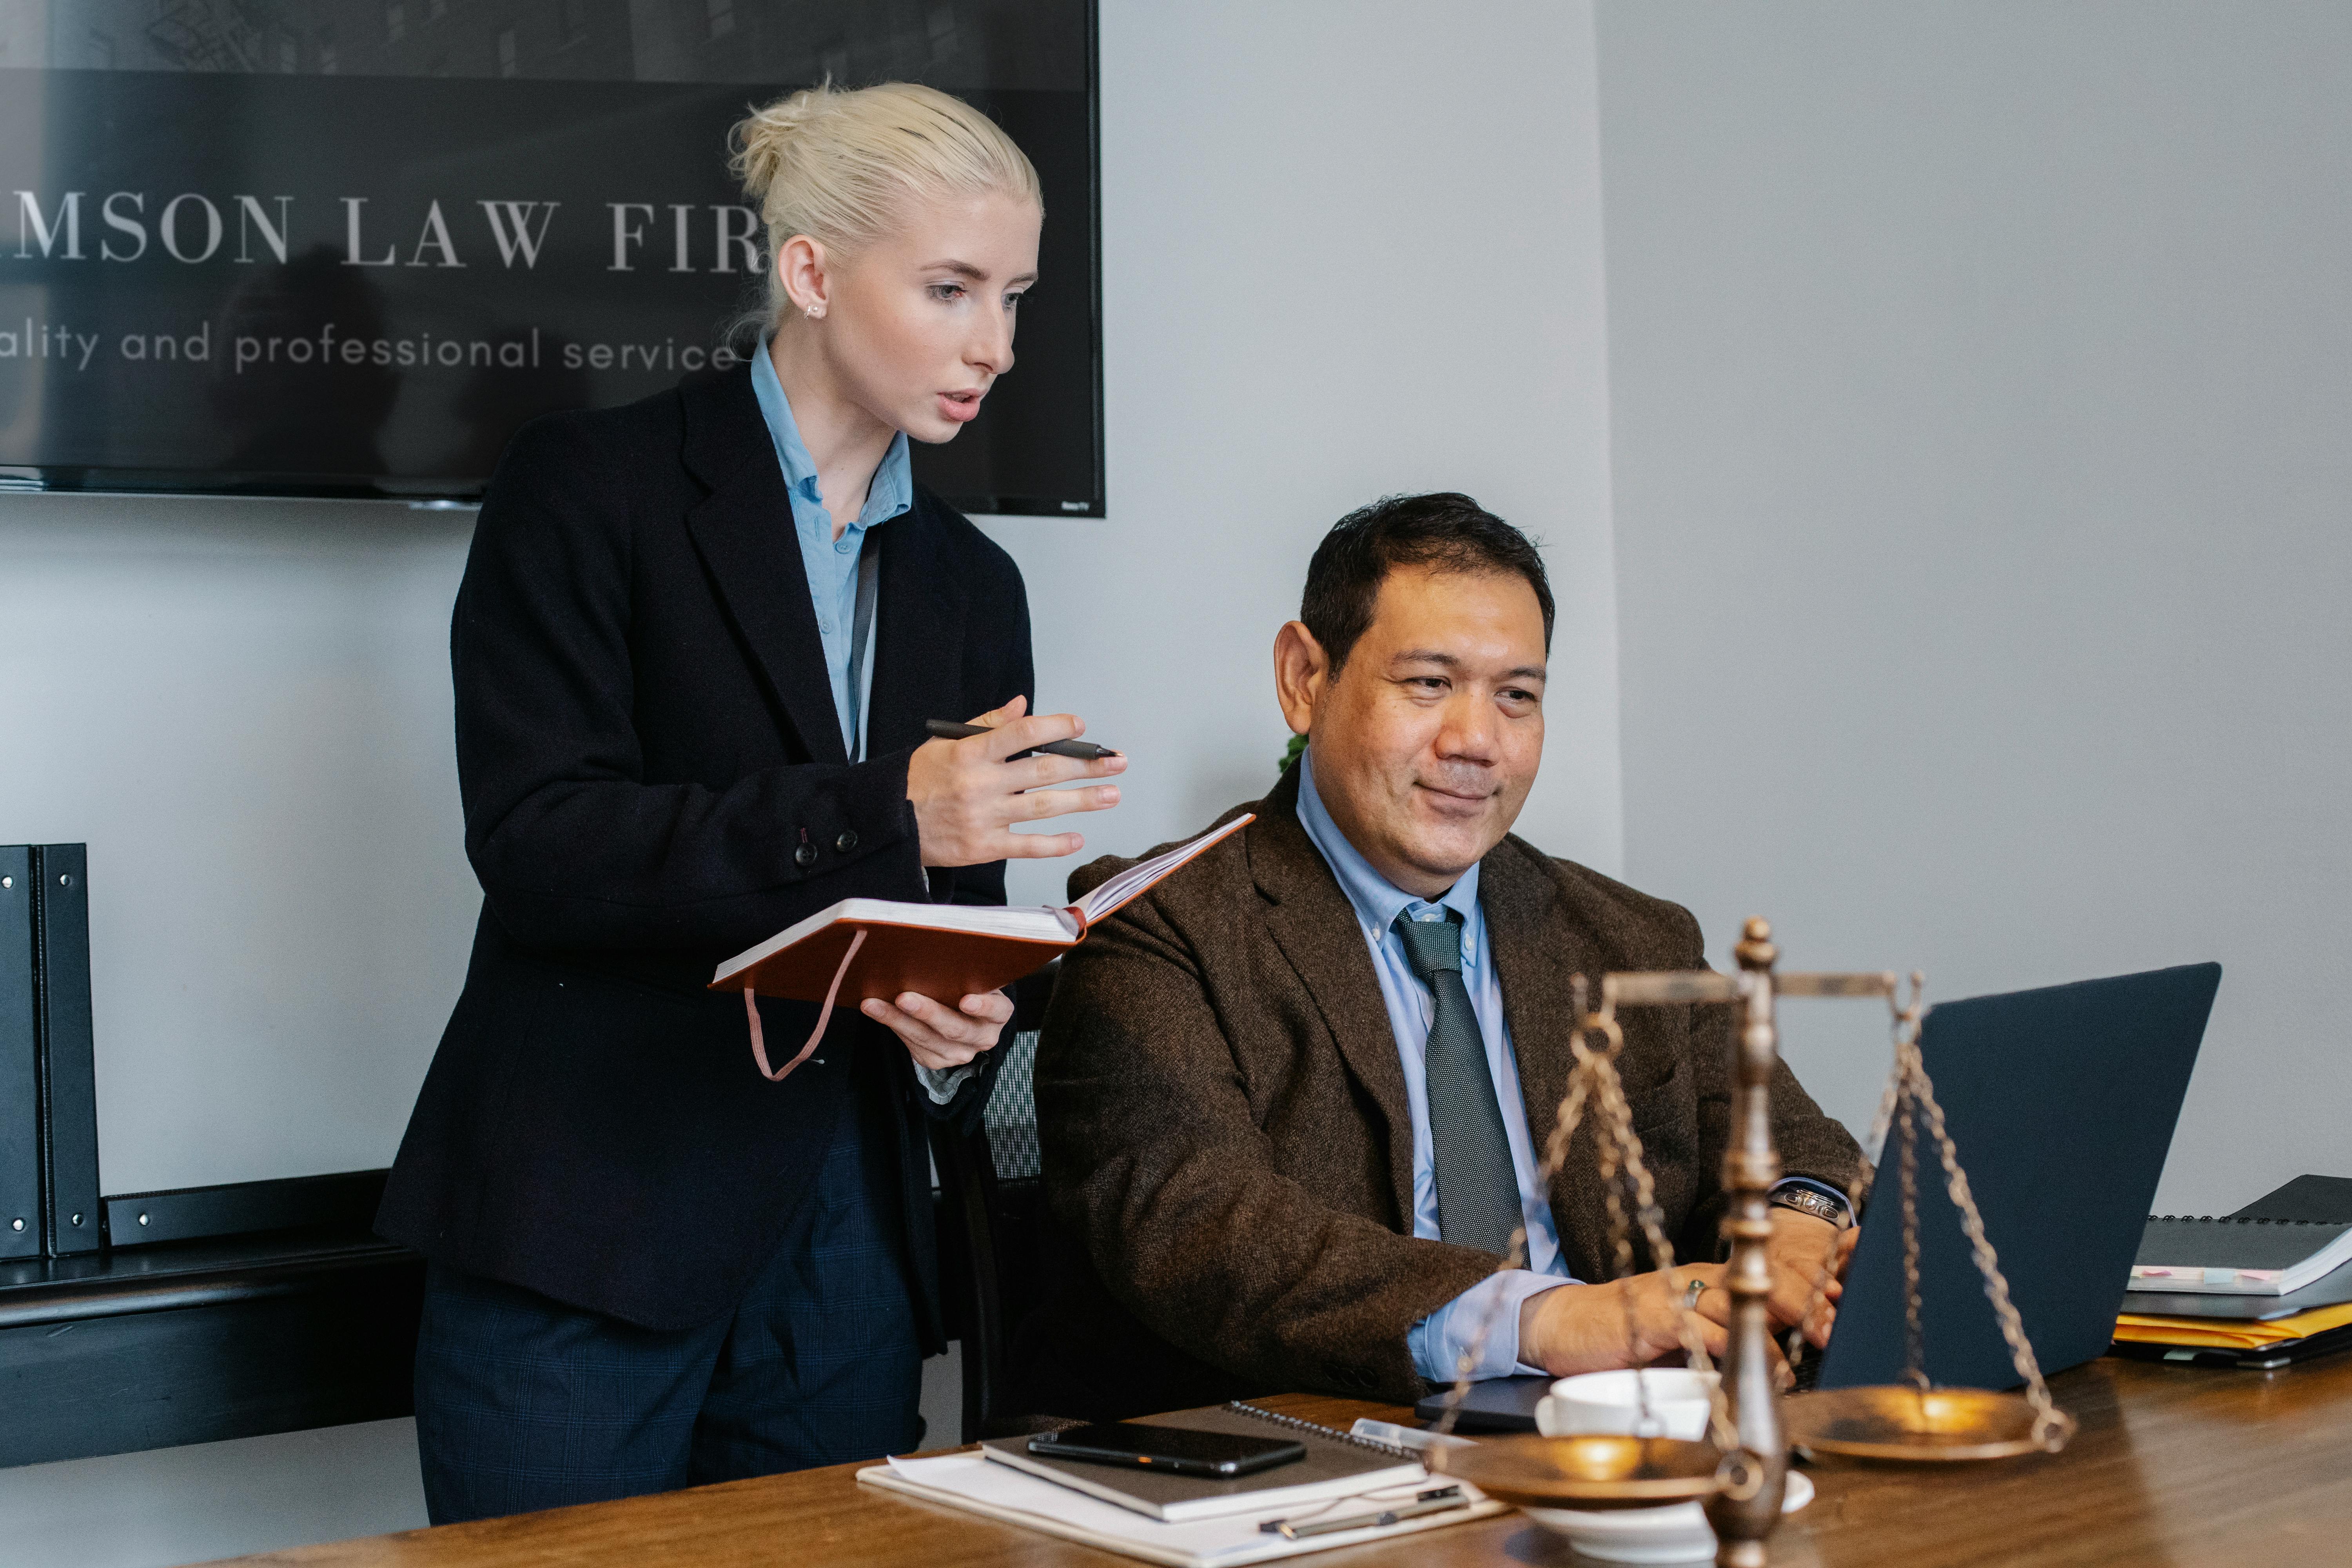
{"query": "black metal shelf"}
(197, 1341)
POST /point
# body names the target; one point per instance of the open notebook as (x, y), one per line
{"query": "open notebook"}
(862, 948)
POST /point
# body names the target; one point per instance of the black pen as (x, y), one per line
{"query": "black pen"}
(1084, 751)
(1442, 1499)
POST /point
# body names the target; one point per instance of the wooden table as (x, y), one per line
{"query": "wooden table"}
(2182, 1466)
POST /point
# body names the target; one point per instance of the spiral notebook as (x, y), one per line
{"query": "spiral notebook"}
(2328, 1199)
(2238, 1256)
(1338, 1464)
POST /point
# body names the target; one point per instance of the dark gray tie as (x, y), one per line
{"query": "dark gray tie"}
(1478, 1190)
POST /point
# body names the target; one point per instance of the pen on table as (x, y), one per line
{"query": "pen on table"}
(1440, 1500)
(1084, 751)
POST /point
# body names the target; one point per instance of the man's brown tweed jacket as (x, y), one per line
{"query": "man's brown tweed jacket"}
(1224, 1135)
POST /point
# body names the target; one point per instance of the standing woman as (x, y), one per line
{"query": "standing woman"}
(694, 649)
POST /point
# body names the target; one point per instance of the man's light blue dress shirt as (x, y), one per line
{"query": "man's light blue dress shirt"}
(1438, 1340)
(832, 566)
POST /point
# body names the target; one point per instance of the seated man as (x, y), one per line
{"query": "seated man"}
(1293, 1102)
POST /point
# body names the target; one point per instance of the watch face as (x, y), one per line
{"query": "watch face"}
(1810, 1203)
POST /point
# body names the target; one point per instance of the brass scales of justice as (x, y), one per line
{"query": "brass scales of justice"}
(1740, 1471)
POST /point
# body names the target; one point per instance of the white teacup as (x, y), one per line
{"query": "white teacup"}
(1606, 1402)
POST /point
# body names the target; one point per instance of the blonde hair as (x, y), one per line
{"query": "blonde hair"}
(838, 165)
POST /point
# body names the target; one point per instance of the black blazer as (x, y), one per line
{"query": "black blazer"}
(653, 781)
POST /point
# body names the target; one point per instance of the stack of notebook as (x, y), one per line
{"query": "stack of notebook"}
(1348, 1489)
(2265, 1287)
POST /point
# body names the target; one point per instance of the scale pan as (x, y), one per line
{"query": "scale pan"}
(1587, 1471)
(1897, 1421)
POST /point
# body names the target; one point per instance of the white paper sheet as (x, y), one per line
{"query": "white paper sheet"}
(999, 1492)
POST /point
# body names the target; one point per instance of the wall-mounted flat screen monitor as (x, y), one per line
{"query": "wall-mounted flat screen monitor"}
(347, 247)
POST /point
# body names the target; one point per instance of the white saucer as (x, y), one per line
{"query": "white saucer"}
(1673, 1534)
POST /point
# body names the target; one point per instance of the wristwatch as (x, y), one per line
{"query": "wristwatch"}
(1821, 1206)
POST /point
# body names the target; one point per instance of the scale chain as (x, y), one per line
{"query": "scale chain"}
(2049, 1425)
(1915, 1342)
(1662, 1252)
(1910, 1091)
(1618, 1116)
(1881, 1125)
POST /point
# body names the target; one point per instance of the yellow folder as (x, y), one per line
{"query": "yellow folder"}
(2228, 1333)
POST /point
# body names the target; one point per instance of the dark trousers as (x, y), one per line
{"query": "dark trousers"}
(523, 1403)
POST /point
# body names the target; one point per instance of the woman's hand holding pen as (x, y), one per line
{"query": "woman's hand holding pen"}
(967, 796)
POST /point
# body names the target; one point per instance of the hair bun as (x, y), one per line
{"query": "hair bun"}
(760, 143)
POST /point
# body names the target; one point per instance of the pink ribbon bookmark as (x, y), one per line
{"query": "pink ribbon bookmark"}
(759, 1041)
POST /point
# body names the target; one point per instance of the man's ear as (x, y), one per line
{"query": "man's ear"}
(1300, 674)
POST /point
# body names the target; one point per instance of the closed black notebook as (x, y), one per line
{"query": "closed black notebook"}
(1338, 1464)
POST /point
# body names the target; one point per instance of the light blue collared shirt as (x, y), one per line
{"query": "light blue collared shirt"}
(832, 567)
(1438, 1340)
(832, 563)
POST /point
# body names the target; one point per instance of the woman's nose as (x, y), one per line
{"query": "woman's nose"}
(992, 349)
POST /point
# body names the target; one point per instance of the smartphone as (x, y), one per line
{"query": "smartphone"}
(1221, 1455)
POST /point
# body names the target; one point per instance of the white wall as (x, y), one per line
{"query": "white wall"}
(243, 707)
(1348, 249)
(1980, 377)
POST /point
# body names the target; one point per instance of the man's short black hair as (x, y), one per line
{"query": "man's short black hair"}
(1447, 531)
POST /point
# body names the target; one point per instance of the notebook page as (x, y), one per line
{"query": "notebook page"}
(1106, 899)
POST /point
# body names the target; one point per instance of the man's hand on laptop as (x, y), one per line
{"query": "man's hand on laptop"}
(1800, 1246)
(1588, 1328)
(1624, 1322)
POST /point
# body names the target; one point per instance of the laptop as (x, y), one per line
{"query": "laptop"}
(2062, 1103)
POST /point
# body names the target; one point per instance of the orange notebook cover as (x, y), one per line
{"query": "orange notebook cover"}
(862, 948)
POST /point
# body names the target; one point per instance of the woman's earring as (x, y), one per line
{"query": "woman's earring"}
(815, 312)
